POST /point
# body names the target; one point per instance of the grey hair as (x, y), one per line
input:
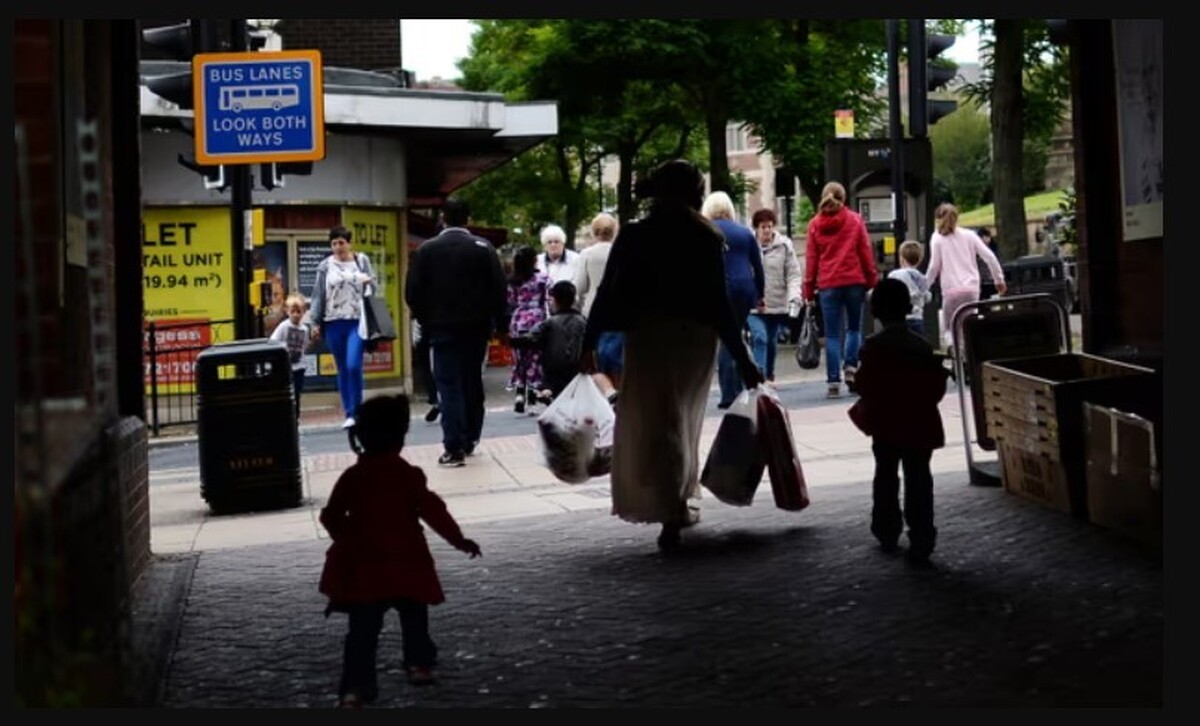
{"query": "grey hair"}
(552, 232)
(717, 205)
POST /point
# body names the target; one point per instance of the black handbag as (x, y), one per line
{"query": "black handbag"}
(379, 319)
(808, 348)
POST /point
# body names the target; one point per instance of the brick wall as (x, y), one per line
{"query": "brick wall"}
(368, 44)
(130, 446)
(33, 84)
(77, 559)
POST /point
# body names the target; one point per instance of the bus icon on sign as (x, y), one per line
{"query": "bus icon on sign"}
(237, 98)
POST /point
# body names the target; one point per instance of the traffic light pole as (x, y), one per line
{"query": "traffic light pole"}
(240, 201)
(896, 131)
(918, 108)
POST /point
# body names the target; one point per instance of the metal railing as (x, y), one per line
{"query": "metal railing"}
(169, 352)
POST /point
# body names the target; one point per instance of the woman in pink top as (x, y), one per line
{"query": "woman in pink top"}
(953, 250)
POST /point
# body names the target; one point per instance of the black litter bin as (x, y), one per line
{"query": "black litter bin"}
(249, 442)
(1038, 273)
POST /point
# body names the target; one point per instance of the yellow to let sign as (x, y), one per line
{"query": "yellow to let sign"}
(187, 279)
(187, 263)
(843, 123)
(376, 232)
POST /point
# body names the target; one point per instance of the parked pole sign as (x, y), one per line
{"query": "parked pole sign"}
(843, 123)
(259, 107)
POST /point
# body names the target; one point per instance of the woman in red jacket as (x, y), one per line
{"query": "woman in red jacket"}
(840, 264)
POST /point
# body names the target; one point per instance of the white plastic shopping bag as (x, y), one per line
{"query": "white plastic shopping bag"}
(735, 462)
(576, 432)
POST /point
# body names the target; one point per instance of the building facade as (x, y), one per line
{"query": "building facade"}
(102, 208)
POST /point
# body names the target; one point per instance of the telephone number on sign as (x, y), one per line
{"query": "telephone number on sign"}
(172, 369)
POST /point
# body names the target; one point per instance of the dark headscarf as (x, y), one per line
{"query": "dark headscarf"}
(673, 182)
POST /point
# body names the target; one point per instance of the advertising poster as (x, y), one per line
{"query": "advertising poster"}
(321, 371)
(270, 261)
(376, 233)
(1139, 70)
(187, 278)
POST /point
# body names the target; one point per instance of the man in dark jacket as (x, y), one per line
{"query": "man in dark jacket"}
(456, 290)
(900, 382)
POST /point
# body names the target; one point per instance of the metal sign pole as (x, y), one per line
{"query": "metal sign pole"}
(240, 200)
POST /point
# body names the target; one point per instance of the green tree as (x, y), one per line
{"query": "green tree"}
(962, 154)
(507, 56)
(522, 196)
(1025, 84)
(825, 65)
(592, 68)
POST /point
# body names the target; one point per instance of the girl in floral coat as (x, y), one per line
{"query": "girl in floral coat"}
(527, 290)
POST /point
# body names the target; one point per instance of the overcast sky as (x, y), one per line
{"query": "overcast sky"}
(431, 47)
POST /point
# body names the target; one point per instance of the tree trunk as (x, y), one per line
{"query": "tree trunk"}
(810, 186)
(1008, 137)
(716, 120)
(625, 208)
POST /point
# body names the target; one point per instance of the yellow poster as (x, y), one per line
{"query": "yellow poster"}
(187, 279)
(376, 233)
(843, 123)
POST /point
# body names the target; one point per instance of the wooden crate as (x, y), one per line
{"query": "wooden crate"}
(1035, 406)
(1035, 476)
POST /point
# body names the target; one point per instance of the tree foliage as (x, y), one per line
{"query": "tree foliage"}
(962, 155)
(827, 65)
(1025, 84)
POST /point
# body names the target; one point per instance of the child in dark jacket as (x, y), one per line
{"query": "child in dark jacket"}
(560, 340)
(379, 558)
(900, 382)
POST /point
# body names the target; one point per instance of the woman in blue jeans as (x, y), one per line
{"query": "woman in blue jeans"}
(743, 284)
(343, 279)
(840, 263)
(781, 273)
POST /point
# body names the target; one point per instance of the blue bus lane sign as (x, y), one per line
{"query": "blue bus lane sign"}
(261, 107)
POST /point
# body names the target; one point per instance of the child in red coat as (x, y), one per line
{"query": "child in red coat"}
(900, 383)
(379, 558)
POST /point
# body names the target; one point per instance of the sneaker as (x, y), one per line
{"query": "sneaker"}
(470, 449)
(348, 423)
(519, 405)
(848, 376)
(450, 458)
(834, 390)
(350, 700)
(421, 676)
(432, 414)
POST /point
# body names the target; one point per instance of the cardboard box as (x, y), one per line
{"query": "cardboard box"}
(1035, 476)
(1123, 476)
(1035, 405)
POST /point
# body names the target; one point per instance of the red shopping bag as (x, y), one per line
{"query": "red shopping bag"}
(783, 464)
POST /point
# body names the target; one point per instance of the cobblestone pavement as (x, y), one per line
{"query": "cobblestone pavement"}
(1025, 607)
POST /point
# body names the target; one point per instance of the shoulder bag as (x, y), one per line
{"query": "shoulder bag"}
(377, 317)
